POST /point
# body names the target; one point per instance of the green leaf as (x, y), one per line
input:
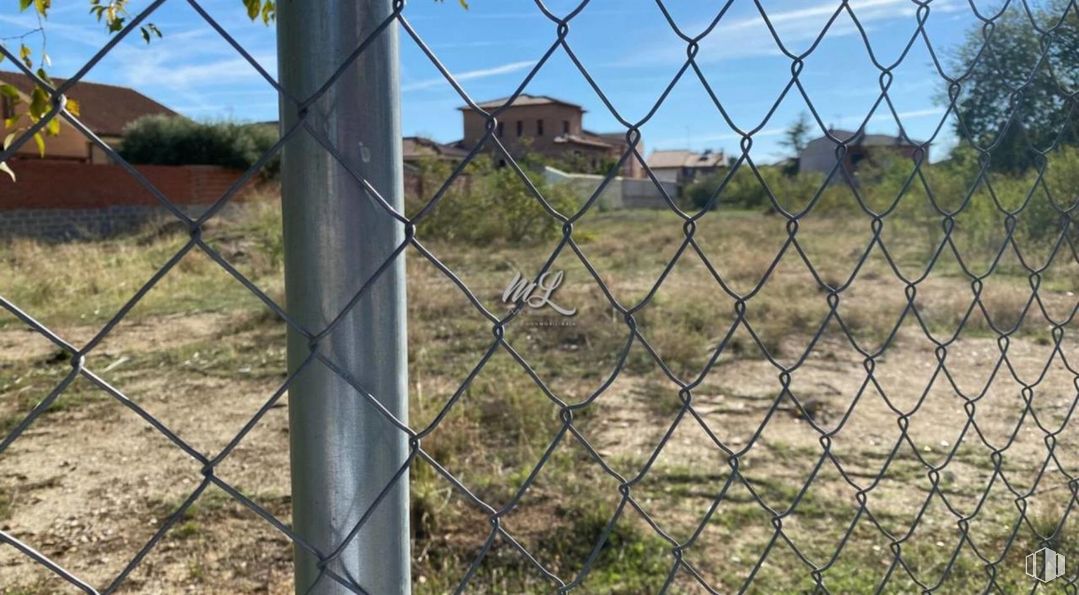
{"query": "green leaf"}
(40, 141)
(9, 91)
(72, 107)
(269, 11)
(464, 4)
(9, 139)
(4, 168)
(24, 4)
(24, 55)
(53, 127)
(39, 103)
(254, 7)
(42, 6)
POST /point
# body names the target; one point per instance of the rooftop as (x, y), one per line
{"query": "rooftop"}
(104, 109)
(861, 138)
(685, 158)
(521, 100)
(583, 139)
(416, 147)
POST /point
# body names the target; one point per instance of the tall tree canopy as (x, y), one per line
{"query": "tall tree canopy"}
(1018, 82)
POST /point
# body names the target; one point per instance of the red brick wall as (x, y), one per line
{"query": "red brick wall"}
(53, 184)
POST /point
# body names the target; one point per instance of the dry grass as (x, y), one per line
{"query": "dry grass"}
(89, 481)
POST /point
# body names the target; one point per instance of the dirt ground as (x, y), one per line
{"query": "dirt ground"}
(88, 485)
(930, 446)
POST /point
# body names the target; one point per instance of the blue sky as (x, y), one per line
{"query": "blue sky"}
(626, 45)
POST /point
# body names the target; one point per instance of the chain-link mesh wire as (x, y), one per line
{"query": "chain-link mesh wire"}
(682, 567)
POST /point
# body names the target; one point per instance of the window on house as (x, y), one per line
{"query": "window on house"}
(501, 129)
(565, 126)
(539, 127)
(520, 127)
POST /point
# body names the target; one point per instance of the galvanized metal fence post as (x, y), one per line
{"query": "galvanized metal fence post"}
(345, 452)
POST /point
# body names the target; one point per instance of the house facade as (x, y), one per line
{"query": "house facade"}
(104, 109)
(819, 154)
(682, 167)
(550, 127)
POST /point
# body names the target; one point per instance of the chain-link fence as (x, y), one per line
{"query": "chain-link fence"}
(719, 428)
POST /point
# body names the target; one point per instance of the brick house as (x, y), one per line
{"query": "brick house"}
(550, 127)
(104, 109)
(819, 154)
(76, 192)
(683, 167)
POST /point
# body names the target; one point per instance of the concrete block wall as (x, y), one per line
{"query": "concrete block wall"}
(56, 200)
(620, 193)
(74, 224)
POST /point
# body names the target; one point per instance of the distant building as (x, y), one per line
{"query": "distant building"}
(550, 127)
(104, 109)
(682, 167)
(819, 154)
(417, 148)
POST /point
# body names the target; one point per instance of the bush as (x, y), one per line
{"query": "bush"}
(1042, 203)
(488, 204)
(1040, 207)
(744, 189)
(165, 140)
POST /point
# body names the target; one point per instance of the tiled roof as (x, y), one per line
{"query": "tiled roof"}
(612, 138)
(683, 158)
(415, 147)
(521, 100)
(869, 140)
(583, 139)
(104, 109)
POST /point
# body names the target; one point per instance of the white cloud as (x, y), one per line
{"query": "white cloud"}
(745, 36)
(470, 75)
(883, 115)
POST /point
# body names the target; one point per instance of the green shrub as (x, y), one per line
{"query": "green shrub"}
(164, 140)
(744, 189)
(1042, 203)
(488, 204)
(979, 202)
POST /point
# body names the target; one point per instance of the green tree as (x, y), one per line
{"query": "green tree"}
(1016, 79)
(797, 134)
(169, 140)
